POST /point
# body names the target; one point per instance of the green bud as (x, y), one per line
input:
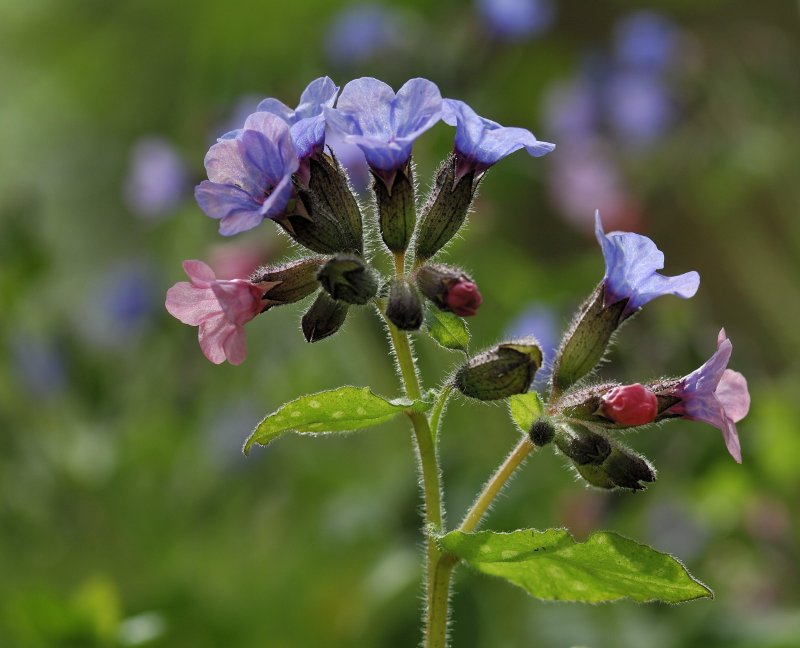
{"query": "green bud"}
(582, 445)
(397, 211)
(404, 308)
(293, 281)
(324, 318)
(329, 185)
(586, 341)
(542, 432)
(627, 469)
(445, 210)
(348, 278)
(503, 371)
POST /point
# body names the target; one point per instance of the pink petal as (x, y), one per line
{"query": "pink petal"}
(212, 335)
(721, 337)
(236, 346)
(240, 300)
(200, 273)
(190, 304)
(732, 440)
(732, 394)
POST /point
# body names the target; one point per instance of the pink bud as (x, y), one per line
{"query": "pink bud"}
(463, 298)
(630, 405)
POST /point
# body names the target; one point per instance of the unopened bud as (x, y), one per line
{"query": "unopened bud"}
(596, 476)
(324, 318)
(331, 189)
(587, 340)
(630, 405)
(445, 211)
(293, 281)
(449, 288)
(582, 445)
(503, 371)
(397, 211)
(542, 432)
(627, 469)
(348, 278)
(404, 308)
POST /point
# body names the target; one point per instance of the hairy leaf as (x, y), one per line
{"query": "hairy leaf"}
(337, 410)
(552, 565)
(525, 409)
(447, 329)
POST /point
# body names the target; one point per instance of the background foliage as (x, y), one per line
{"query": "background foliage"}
(128, 515)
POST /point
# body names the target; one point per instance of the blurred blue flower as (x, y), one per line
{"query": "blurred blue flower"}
(382, 124)
(250, 174)
(360, 32)
(639, 107)
(157, 180)
(517, 19)
(122, 306)
(307, 121)
(38, 365)
(631, 264)
(645, 40)
(480, 142)
(571, 109)
(540, 321)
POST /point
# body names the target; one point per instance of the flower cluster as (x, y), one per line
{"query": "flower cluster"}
(276, 167)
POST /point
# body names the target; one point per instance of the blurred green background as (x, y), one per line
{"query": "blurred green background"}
(128, 516)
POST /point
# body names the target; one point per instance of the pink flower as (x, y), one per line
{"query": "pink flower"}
(220, 308)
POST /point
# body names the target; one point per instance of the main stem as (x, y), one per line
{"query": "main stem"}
(437, 581)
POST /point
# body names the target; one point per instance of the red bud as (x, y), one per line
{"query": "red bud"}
(463, 298)
(630, 405)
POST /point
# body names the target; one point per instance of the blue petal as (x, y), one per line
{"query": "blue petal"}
(417, 107)
(236, 209)
(226, 163)
(320, 92)
(308, 135)
(482, 142)
(631, 264)
(267, 144)
(366, 105)
(275, 107)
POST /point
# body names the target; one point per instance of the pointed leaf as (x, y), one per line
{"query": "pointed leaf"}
(337, 410)
(552, 565)
(447, 329)
(525, 409)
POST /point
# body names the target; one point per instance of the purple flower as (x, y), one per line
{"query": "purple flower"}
(157, 180)
(517, 19)
(307, 121)
(384, 125)
(249, 174)
(645, 40)
(639, 106)
(480, 142)
(631, 264)
(714, 394)
(361, 31)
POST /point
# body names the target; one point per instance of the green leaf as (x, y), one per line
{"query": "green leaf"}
(552, 565)
(447, 329)
(337, 410)
(525, 409)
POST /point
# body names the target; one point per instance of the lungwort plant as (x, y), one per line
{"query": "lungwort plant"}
(277, 168)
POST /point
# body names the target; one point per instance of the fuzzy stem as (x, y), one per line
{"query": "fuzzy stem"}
(496, 484)
(438, 410)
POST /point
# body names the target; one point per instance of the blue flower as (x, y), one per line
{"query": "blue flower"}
(249, 174)
(714, 394)
(361, 31)
(645, 40)
(480, 142)
(631, 264)
(639, 106)
(307, 121)
(157, 180)
(384, 125)
(517, 19)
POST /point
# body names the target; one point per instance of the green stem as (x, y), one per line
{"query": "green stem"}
(496, 484)
(437, 577)
(438, 409)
